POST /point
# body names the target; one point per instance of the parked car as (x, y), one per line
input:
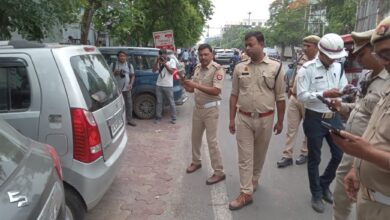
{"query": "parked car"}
(144, 89)
(30, 178)
(271, 52)
(66, 96)
(223, 57)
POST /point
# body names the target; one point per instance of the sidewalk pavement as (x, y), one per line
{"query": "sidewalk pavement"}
(143, 178)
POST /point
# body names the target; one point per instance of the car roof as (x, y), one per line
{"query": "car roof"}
(129, 48)
(24, 44)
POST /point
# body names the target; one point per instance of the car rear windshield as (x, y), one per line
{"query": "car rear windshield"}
(97, 84)
(11, 154)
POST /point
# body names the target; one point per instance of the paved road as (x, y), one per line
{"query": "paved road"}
(153, 184)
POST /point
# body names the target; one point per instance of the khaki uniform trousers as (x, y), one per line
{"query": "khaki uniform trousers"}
(206, 119)
(342, 206)
(253, 136)
(295, 114)
(369, 210)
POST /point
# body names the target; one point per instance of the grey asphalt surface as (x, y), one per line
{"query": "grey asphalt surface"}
(282, 193)
(152, 183)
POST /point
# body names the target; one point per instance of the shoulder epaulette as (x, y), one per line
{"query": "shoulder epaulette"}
(216, 65)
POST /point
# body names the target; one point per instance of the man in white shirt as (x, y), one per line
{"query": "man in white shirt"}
(322, 77)
(164, 85)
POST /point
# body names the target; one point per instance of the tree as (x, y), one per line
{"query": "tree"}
(341, 15)
(233, 37)
(120, 21)
(35, 20)
(185, 17)
(134, 21)
(89, 9)
(286, 25)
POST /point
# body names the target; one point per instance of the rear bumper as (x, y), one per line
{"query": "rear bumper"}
(93, 180)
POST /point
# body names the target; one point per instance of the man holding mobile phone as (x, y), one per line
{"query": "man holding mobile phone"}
(370, 174)
(325, 77)
(375, 83)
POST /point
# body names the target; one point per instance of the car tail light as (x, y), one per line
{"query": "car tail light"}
(56, 160)
(86, 138)
(89, 49)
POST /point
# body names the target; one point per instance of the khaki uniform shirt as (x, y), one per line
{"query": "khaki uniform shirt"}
(362, 109)
(293, 82)
(211, 76)
(378, 134)
(256, 85)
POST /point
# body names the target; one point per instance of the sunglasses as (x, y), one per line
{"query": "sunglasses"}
(383, 55)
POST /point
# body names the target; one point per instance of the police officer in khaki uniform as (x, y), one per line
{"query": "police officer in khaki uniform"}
(295, 109)
(207, 84)
(257, 85)
(375, 83)
(373, 169)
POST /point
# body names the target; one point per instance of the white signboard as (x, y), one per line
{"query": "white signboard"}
(164, 39)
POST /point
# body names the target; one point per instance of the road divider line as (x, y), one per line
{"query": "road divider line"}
(219, 198)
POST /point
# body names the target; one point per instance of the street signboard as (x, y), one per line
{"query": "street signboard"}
(164, 39)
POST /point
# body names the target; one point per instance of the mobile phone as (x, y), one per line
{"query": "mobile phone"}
(333, 129)
(326, 102)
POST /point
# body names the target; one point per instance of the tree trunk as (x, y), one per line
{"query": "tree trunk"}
(86, 21)
(293, 54)
(282, 53)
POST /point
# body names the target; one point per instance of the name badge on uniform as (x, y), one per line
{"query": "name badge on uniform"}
(319, 77)
(245, 74)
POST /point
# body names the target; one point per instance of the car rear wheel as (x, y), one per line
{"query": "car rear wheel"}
(74, 204)
(145, 106)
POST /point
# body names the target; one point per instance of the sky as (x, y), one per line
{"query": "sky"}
(227, 11)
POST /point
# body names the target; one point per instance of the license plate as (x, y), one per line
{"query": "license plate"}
(115, 124)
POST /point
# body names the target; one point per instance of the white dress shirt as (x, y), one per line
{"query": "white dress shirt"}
(314, 79)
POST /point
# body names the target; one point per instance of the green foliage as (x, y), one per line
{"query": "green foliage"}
(35, 20)
(286, 26)
(234, 37)
(185, 17)
(133, 22)
(120, 21)
(341, 15)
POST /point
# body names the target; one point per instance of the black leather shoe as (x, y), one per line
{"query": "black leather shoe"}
(284, 162)
(327, 196)
(317, 205)
(301, 159)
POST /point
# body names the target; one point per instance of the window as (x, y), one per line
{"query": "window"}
(94, 78)
(143, 62)
(15, 91)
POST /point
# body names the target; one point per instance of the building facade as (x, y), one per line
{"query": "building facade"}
(370, 13)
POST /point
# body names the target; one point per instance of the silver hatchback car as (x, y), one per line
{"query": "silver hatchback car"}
(66, 96)
(30, 178)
